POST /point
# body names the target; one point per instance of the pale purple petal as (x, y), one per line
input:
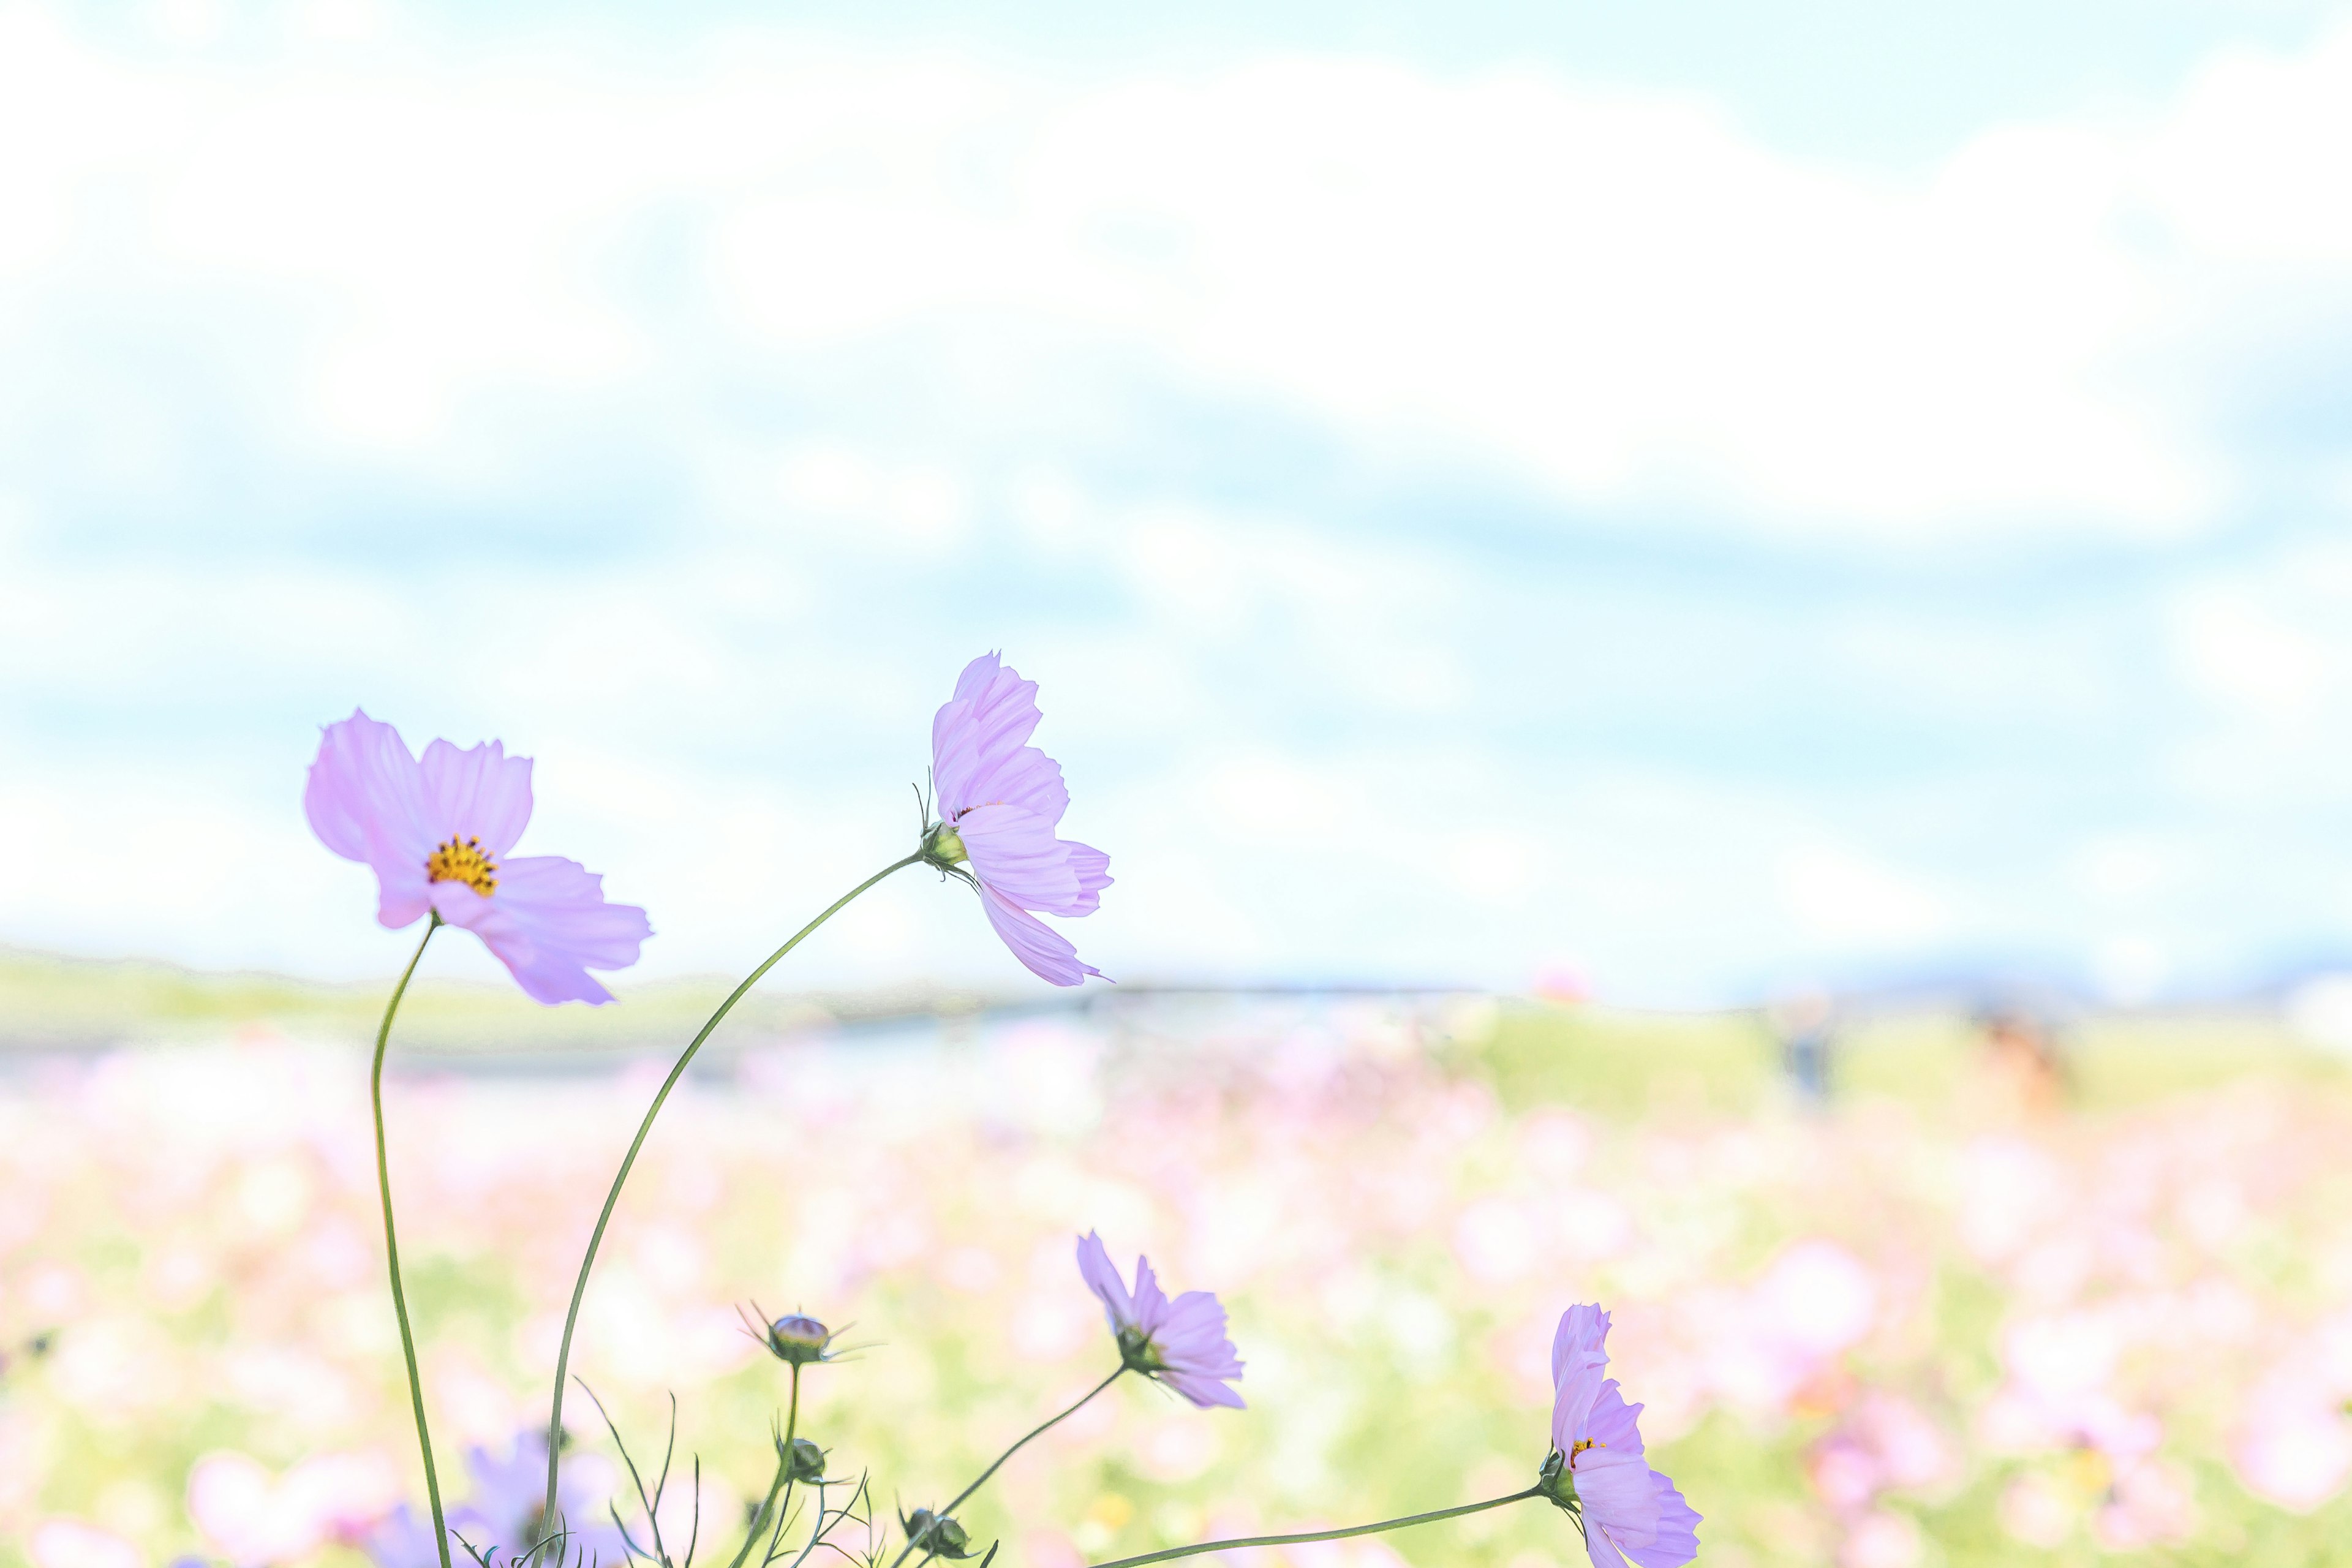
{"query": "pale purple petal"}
(1192, 1343)
(1578, 1363)
(978, 733)
(511, 1486)
(1203, 1391)
(402, 1538)
(403, 891)
(1598, 1547)
(1583, 1332)
(1632, 1506)
(548, 924)
(1101, 1276)
(481, 793)
(1620, 1498)
(1676, 1539)
(365, 800)
(1016, 855)
(1150, 1301)
(363, 774)
(1048, 954)
(1093, 869)
(1613, 1424)
(1027, 778)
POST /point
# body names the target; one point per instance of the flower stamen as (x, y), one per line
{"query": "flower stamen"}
(466, 862)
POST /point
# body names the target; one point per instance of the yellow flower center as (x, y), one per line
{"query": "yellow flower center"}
(467, 862)
(1582, 1444)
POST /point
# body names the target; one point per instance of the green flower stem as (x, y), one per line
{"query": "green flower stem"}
(597, 1237)
(392, 1247)
(1199, 1547)
(783, 1483)
(1037, 1431)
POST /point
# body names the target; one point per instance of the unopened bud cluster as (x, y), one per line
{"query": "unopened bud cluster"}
(936, 1533)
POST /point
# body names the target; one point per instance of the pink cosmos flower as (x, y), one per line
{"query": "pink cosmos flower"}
(436, 832)
(1181, 1342)
(1632, 1513)
(1000, 799)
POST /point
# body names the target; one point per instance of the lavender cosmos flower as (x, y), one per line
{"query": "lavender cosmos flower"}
(504, 1511)
(1181, 1342)
(1000, 799)
(436, 832)
(1632, 1513)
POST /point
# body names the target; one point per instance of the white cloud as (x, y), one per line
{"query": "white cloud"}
(1619, 296)
(878, 310)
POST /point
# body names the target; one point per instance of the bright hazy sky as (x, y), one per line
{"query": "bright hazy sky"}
(1695, 496)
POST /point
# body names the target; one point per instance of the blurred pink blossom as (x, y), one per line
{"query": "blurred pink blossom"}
(252, 1516)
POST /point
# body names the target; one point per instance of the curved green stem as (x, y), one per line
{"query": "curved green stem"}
(1300, 1538)
(1038, 1431)
(783, 1483)
(392, 1247)
(620, 1180)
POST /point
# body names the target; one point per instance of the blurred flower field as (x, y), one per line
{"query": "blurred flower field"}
(1930, 1322)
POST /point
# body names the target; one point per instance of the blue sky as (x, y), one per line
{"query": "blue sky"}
(1696, 496)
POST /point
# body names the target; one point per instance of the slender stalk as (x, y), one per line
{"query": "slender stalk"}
(1038, 1431)
(783, 1483)
(1199, 1547)
(392, 1247)
(628, 1161)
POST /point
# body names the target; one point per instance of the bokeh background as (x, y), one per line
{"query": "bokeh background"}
(1712, 643)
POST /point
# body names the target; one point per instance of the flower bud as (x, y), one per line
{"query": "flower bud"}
(1138, 1352)
(1556, 1482)
(798, 1340)
(944, 846)
(803, 1460)
(936, 1533)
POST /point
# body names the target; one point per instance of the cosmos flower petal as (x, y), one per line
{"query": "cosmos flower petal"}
(1598, 1547)
(1578, 1359)
(1027, 778)
(1622, 1498)
(1101, 1276)
(548, 924)
(403, 891)
(1675, 1540)
(481, 792)
(1015, 853)
(978, 733)
(1204, 1392)
(1048, 954)
(1613, 1424)
(1092, 868)
(364, 795)
(402, 1538)
(1151, 1302)
(1583, 1332)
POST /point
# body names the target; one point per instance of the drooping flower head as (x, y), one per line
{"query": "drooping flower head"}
(1181, 1342)
(1631, 1512)
(436, 832)
(999, 801)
